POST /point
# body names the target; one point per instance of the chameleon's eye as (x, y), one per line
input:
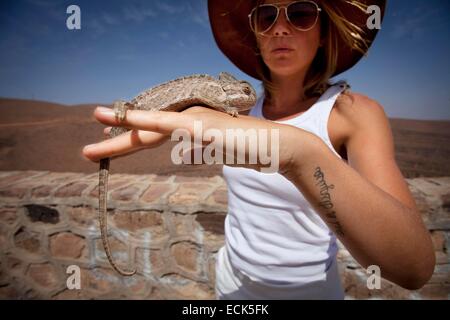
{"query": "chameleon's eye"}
(247, 91)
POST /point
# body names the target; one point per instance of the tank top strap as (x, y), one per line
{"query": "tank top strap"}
(326, 102)
(324, 110)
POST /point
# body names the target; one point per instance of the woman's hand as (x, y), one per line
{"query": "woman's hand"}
(272, 150)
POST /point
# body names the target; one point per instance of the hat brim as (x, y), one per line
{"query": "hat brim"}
(231, 30)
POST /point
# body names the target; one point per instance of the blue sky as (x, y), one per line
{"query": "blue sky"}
(125, 47)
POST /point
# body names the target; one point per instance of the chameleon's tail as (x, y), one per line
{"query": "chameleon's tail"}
(102, 214)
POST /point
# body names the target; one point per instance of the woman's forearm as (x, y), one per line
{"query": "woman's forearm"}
(376, 228)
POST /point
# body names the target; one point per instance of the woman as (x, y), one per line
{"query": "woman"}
(337, 174)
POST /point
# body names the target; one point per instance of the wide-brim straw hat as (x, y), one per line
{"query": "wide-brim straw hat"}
(233, 35)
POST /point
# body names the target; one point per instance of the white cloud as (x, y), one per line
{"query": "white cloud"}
(414, 24)
(97, 27)
(42, 3)
(163, 35)
(138, 14)
(110, 19)
(170, 9)
(199, 14)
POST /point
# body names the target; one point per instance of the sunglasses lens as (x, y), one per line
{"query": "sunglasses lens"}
(302, 15)
(265, 17)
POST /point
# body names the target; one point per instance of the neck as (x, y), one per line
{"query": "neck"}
(289, 96)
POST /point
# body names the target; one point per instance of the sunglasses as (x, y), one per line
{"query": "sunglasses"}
(302, 15)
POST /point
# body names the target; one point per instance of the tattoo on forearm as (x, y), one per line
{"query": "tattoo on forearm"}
(325, 201)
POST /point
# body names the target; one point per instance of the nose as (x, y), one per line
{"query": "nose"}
(281, 26)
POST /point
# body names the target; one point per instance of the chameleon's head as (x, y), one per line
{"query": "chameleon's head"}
(240, 93)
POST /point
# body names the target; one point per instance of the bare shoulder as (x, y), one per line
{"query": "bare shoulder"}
(360, 110)
(370, 144)
(357, 112)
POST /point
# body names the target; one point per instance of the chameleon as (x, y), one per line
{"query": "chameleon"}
(224, 93)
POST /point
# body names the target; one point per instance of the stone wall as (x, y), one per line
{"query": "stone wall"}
(170, 228)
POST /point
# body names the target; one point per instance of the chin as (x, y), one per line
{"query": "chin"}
(286, 66)
(286, 70)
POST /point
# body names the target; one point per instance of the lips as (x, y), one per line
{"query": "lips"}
(282, 49)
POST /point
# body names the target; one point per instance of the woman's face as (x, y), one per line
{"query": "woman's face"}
(302, 45)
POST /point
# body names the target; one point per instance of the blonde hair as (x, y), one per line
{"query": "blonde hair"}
(333, 24)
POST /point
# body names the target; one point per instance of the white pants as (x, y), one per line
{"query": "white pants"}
(231, 284)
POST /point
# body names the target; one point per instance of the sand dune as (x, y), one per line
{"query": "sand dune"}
(37, 135)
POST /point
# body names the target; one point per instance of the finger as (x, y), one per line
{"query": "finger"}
(125, 143)
(159, 121)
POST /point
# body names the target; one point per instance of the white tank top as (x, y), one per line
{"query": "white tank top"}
(272, 233)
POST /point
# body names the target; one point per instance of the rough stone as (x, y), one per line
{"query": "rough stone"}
(43, 191)
(8, 215)
(70, 295)
(221, 196)
(436, 291)
(72, 189)
(439, 240)
(8, 292)
(136, 220)
(179, 264)
(212, 271)
(186, 255)
(60, 177)
(446, 201)
(184, 225)
(83, 216)
(125, 194)
(150, 261)
(14, 192)
(13, 178)
(27, 240)
(99, 280)
(155, 192)
(190, 193)
(188, 179)
(212, 222)
(39, 213)
(137, 286)
(187, 289)
(68, 245)
(14, 264)
(45, 275)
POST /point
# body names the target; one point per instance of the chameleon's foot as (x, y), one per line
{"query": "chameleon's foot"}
(346, 87)
(120, 109)
(233, 113)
